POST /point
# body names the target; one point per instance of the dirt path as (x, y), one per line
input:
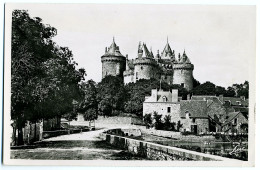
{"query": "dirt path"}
(81, 146)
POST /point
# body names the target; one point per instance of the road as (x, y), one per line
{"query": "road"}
(81, 146)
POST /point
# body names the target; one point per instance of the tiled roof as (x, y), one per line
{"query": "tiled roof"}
(197, 109)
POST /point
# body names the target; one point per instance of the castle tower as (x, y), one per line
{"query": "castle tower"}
(183, 72)
(113, 62)
(145, 66)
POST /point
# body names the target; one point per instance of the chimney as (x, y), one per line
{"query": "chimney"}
(105, 49)
(154, 95)
(174, 95)
(126, 56)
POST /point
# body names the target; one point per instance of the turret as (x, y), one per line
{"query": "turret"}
(113, 62)
(183, 72)
(145, 66)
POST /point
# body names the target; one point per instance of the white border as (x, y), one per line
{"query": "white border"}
(7, 83)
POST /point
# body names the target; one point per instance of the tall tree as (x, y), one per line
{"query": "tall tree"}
(89, 104)
(110, 96)
(206, 88)
(44, 80)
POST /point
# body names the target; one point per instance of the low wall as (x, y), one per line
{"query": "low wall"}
(158, 152)
(174, 135)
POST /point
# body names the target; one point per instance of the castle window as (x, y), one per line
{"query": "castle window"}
(182, 84)
(141, 67)
(168, 109)
(136, 76)
(193, 120)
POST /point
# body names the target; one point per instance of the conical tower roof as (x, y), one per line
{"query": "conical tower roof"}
(167, 51)
(113, 50)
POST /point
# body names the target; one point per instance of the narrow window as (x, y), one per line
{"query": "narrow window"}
(136, 75)
(193, 120)
(164, 99)
(182, 84)
(169, 109)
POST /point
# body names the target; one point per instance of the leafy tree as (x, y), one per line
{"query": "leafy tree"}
(230, 92)
(195, 82)
(179, 125)
(220, 90)
(148, 120)
(206, 88)
(158, 121)
(89, 104)
(110, 96)
(44, 80)
(167, 122)
(243, 90)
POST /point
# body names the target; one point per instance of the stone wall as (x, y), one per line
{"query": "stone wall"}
(161, 109)
(183, 76)
(114, 68)
(144, 72)
(158, 152)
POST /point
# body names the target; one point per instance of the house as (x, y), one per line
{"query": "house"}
(191, 114)
(236, 122)
(223, 110)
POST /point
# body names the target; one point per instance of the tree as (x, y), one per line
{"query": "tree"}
(195, 82)
(230, 92)
(31, 47)
(148, 120)
(243, 90)
(110, 96)
(158, 121)
(44, 80)
(206, 88)
(89, 104)
(167, 122)
(220, 90)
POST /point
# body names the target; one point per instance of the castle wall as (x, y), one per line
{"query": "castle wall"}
(144, 72)
(113, 67)
(183, 76)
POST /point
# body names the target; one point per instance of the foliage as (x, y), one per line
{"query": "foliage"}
(44, 80)
(158, 121)
(206, 88)
(110, 96)
(89, 104)
(148, 120)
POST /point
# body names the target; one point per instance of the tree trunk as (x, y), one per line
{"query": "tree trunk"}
(20, 132)
(35, 132)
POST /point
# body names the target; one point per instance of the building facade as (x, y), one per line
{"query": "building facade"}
(191, 114)
(146, 65)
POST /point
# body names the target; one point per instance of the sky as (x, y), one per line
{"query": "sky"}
(219, 40)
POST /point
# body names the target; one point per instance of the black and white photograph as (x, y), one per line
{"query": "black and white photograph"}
(129, 84)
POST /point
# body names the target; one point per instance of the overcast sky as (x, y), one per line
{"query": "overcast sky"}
(219, 40)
